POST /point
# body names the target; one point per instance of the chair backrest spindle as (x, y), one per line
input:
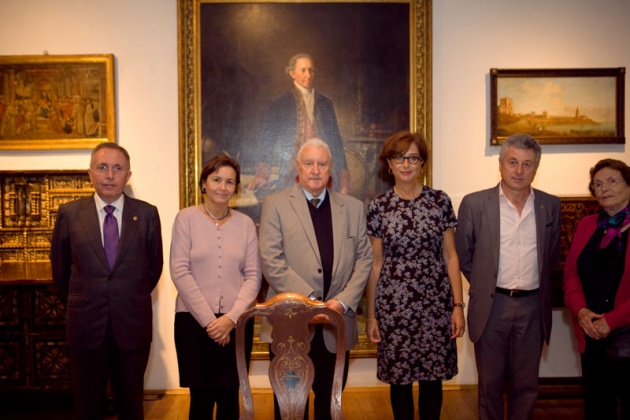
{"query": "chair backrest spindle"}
(291, 371)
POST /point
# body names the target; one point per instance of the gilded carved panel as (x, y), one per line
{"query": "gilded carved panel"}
(29, 203)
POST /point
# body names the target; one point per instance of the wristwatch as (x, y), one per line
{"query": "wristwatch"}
(461, 305)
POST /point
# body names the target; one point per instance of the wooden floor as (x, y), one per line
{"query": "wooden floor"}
(358, 404)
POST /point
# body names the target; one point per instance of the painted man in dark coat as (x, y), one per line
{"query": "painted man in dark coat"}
(296, 116)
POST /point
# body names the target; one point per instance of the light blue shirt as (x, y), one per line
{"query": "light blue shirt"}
(310, 196)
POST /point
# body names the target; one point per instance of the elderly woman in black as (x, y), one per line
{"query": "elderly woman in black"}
(597, 291)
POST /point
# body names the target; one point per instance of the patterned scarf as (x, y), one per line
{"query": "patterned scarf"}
(612, 225)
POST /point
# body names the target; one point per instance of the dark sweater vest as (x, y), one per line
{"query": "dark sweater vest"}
(322, 223)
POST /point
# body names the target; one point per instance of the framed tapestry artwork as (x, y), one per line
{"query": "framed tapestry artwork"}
(572, 210)
(558, 106)
(56, 101)
(373, 63)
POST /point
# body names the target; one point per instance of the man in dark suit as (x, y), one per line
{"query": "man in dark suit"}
(319, 249)
(296, 116)
(106, 256)
(508, 242)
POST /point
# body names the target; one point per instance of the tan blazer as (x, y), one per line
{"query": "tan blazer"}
(290, 259)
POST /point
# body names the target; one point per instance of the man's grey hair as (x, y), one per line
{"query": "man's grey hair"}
(113, 146)
(315, 142)
(523, 142)
(294, 59)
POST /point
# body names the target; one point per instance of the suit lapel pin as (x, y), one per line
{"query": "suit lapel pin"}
(135, 218)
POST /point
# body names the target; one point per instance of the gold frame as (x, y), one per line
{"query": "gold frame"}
(586, 90)
(54, 83)
(190, 153)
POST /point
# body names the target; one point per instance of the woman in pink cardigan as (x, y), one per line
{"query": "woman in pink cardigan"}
(597, 290)
(216, 270)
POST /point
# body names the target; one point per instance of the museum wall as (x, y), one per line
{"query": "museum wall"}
(469, 38)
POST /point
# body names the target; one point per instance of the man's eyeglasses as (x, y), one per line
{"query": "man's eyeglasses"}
(104, 169)
(610, 182)
(412, 159)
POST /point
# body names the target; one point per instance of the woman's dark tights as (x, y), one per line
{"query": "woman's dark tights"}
(203, 400)
(429, 400)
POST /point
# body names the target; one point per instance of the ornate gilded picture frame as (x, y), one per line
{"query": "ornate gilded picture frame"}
(373, 60)
(558, 106)
(56, 101)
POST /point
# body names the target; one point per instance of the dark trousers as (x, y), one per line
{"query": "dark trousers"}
(605, 383)
(429, 400)
(508, 352)
(324, 363)
(89, 370)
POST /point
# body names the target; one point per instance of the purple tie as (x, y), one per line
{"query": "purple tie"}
(110, 235)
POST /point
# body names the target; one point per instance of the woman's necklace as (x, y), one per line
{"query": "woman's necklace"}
(216, 219)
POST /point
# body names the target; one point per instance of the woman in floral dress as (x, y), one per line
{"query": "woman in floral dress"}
(414, 293)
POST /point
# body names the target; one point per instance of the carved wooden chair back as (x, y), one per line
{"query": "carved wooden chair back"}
(291, 371)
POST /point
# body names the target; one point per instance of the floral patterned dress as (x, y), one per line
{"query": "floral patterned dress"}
(414, 301)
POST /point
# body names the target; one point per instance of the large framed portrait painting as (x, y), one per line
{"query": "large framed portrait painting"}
(372, 77)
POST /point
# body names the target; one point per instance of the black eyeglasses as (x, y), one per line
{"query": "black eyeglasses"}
(412, 159)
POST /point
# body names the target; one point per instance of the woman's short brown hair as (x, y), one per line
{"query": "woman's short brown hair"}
(214, 164)
(615, 164)
(398, 143)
